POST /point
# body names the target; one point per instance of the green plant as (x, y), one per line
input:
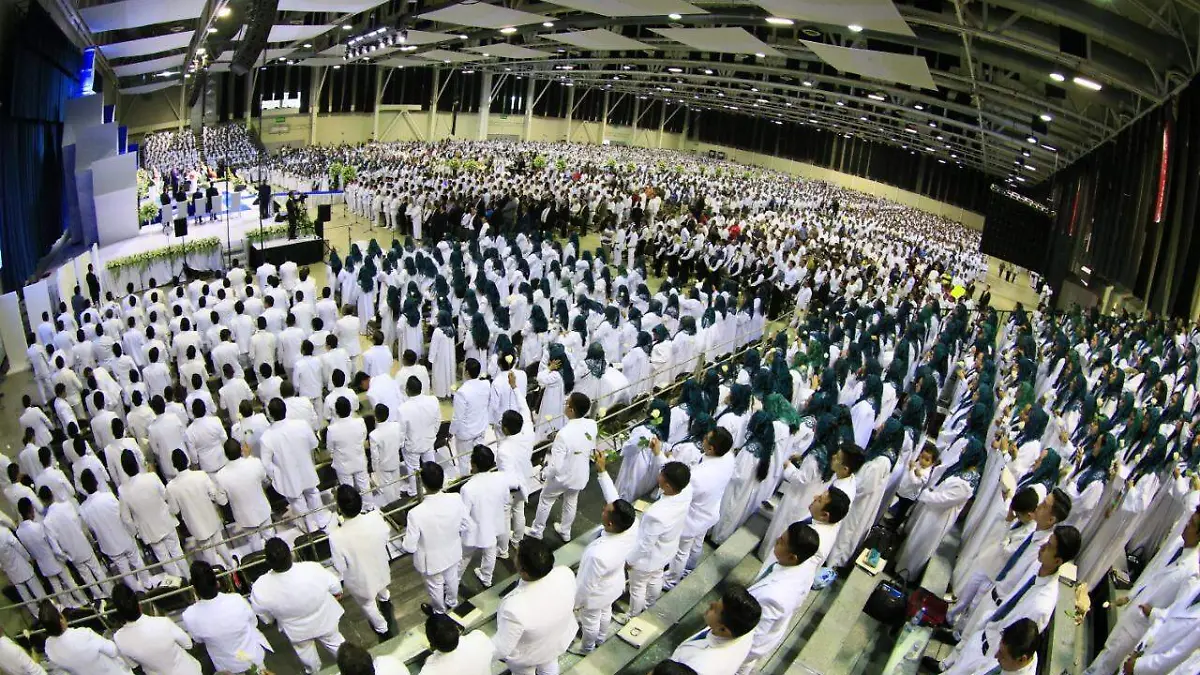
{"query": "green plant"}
(335, 171)
(630, 167)
(147, 212)
(471, 166)
(143, 184)
(539, 163)
(349, 173)
(661, 165)
(678, 168)
(147, 258)
(454, 164)
(610, 163)
(560, 164)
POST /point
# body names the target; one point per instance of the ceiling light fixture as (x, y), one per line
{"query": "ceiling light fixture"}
(708, 71)
(760, 55)
(919, 106)
(462, 36)
(224, 12)
(807, 83)
(674, 70)
(1088, 84)
(337, 67)
(1046, 117)
(877, 97)
(1051, 148)
(855, 28)
(1032, 139)
(548, 24)
(508, 30)
(346, 26)
(1058, 77)
(841, 104)
(308, 45)
(674, 17)
(779, 21)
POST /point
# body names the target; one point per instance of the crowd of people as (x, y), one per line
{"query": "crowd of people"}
(877, 396)
(230, 146)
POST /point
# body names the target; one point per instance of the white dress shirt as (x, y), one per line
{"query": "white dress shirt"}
(205, 438)
(434, 532)
(193, 495)
(101, 512)
(80, 651)
(421, 417)
(708, 654)
(485, 495)
(574, 445)
(536, 622)
(386, 440)
(144, 505)
(346, 440)
(601, 577)
(473, 656)
(64, 527)
(157, 645)
(471, 409)
(709, 480)
(16, 661)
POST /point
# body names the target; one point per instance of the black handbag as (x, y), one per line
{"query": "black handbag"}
(888, 603)
(882, 539)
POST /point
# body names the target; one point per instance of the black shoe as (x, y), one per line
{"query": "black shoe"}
(384, 636)
(945, 635)
(931, 664)
(426, 609)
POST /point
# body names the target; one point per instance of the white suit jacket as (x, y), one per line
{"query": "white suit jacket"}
(144, 505)
(710, 655)
(303, 615)
(434, 532)
(709, 479)
(658, 533)
(242, 482)
(80, 651)
(485, 495)
(568, 464)
(346, 440)
(601, 577)
(780, 591)
(226, 625)
(193, 495)
(287, 452)
(1173, 635)
(536, 622)
(359, 548)
(157, 645)
(473, 657)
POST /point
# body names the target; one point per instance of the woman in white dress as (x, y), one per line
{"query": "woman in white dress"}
(636, 365)
(810, 475)
(637, 476)
(410, 330)
(661, 357)
(1086, 484)
(556, 379)
(937, 508)
(869, 486)
(442, 361)
(751, 467)
(534, 337)
(736, 413)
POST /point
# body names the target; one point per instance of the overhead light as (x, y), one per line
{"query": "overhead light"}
(760, 55)
(224, 12)
(941, 161)
(1046, 117)
(863, 118)
(166, 73)
(486, 55)
(548, 24)
(763, 100)
(345, 26)
(674, 70)
(200, 50)
(408, 48)
(841, 104)
(1032, 139)
(308, 45)
(1021, 178)
(1088, 84)
(779, 21)
(508, 30)
(1058, 77)
(674, 17)
(910, 130)
(336, 67)
(807, 83)
(855, 28)
(445, 60)
(941, 138)
(877, 97)
(708, 71)
(778, 122)
(933, 124)
(919, 106)
(1031, 167)
(211, 30)
(462, 36)
(1026, 153)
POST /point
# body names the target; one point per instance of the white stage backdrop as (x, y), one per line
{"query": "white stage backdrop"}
(82, 112)
(12, 332)
(37, 300)
(114, 186)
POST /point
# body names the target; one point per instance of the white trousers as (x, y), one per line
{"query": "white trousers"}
(309, 502)
(170, 556)
(360, 482)
(462, 451)
(412, 464)
(644, 589)
(370, 607)
(92, 573)
(307, 650)
(125, 564)
(443, 589)
(514, 515)
(31, 592)
(389, 484)
(215, 551)
(1130, 630)
(595, 624)
(487, 563)
(550, 494)
(538, 669)
(62, 586)
(686, 558)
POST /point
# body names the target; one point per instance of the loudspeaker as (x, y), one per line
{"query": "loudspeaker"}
(260, 14)
(325, 212)
(196, 90)
(320, 228)
(181, 227)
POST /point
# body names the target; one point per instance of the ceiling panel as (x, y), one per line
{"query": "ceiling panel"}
(147, 88)
(134, 13)
(598, 38)
(151, 66)
(727, 40)
(883, 66)
(270, 54)
(445, 55)
(627, 8)
(507, 51)
(146, 46)
(481, 15)
(286, 33)
(876, 15)
(346, 6)
(403, 62)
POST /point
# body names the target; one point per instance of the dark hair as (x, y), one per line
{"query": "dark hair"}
(126, 601)
(342, 406)
(410, 357)
(720, 440)
(179, 459)
(442, 633)
(204, 580)
(512, 422)
(276, 409)
(1025, 501)
(354, 660)
(670, 667)
(433, 477)
(50, 619)
(349, 502)
(534, 558)
(678, 475)
(129, 462)
(1022, 638)
(278, 555)
(852, 456)
(483, 458)
(838, 506)
(471, 367)
(1061, 506)
(1067, 543)
(580, 403)
(803, 541)
(88, 480)
(740, 611)
(413, 386)
(623, 515)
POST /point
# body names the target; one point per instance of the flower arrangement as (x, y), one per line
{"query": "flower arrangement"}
(471, 166)
(349, 173)
(661, 165)
(630, 167)
(719, 171)
(539, 163)
(678, 168)
(335, 172)
(560, 164)
(143, 184)
(610, 163)
(304, 228)
(145, 259)
(147, 213)
(454, 164)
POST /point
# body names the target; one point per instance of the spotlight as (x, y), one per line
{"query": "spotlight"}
(674, 17)
(779, 21)
(855, 28)
(1058, 77)
(1088, 84)
(508, 30)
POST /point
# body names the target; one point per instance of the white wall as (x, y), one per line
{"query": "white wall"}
(413, 126)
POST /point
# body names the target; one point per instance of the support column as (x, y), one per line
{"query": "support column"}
(433, 99)
(183, 107)
(570, 109)
(530, 91)
(687, 119)
(662, 123)
(604, 119)
(314, 94)
(637, 106)
(378, 102)
(250, 96)
(485, 104)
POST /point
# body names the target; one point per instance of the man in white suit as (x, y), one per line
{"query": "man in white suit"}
(1152, 591)
(241, 480)
(658, 534)
(1173, 636)
(601, 577)
(721, 648)
(287, 453)
(485, 494)
(780, 587)
(302, 597)
(566, 471)
(453, 653)
(434, 536)
(470, 419)
(359, 552)
(710, 478)
(385, 441)
(535, 623)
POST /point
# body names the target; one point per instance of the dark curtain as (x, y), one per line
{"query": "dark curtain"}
(41, 77)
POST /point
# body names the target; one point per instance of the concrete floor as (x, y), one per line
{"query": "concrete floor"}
(407, 587)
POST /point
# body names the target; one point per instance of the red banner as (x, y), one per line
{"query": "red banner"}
(1162, 173)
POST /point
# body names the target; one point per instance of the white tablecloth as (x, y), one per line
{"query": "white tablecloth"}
(162, 271)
